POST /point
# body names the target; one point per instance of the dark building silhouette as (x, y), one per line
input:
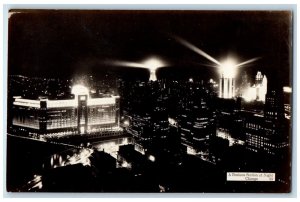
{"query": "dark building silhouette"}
(196, 119)
(277, 128)
(268, 133)
(145, 109)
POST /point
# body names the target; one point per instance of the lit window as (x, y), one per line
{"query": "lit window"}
(82, 129)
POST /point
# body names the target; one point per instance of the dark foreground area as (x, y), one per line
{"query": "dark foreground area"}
(27, 159)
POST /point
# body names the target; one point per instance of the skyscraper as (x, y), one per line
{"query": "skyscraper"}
(268, 133)
(261, 83)
(257, 91)
(196, 120)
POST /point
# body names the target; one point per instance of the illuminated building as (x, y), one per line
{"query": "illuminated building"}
(213, 88)
(227, 80)
(244, 85)
(261, 138)
(227, 87)
(268, 133)
(81, 115)
(152, 75)
(287, 97)
(196, 121)
(261, 83)
(274, 115)
(227, 69)
(144, 109)
(258, 91)
(256, 139)
(258, 82)
(153, 64)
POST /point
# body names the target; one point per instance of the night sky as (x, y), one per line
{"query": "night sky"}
(71, 43)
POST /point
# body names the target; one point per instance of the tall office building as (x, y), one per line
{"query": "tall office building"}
(268, 133)
(152, 75)
(196, 121)
(276, 124)
(226, 87)
(261, 83)
(257, 91)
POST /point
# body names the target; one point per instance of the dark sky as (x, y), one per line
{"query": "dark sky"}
(70, 43)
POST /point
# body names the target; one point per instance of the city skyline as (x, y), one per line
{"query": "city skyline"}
(76, 43)
(162, 124)
(157, 101)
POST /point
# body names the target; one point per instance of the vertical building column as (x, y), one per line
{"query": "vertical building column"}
(152, 75)
(42, 116)
(233, 87)
(229, 87)
(221, 87)
(117, 110)
(82, 116)
(225, 91)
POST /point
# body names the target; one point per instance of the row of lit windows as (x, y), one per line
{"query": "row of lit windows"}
(103, 114)
(253, 126)
(199, 126)
(52, 124)
(29, 122)
(252, 149)
(255, 144)
(262, 142)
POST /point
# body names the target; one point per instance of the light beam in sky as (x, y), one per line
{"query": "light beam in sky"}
(227, 69)
(128, 64)
(152, 64)
(207, 56)
(248, 61)
(197, 50)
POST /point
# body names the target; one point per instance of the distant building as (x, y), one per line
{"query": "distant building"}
(196, 121)
(244, 85)
(256, 139)
(229, 123)
(144, 107)
(261, 86)
(258, 91)
(81, 115)
(277, 125)
(287, 99)
(268, 133)
(227, 87)
(152, 75)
